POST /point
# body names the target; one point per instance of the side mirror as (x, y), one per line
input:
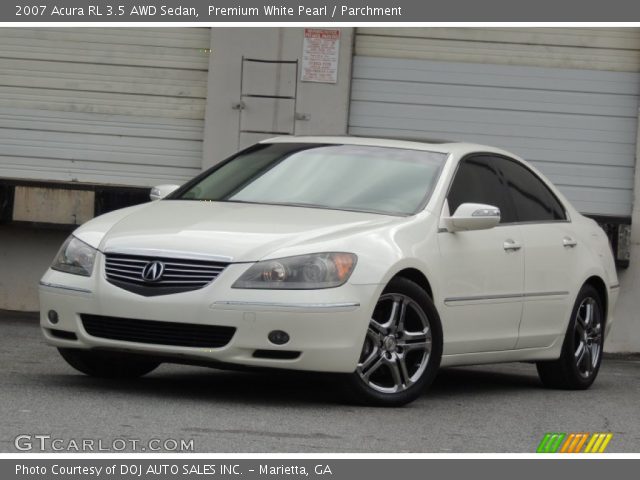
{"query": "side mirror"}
(473, 216)
(161, 191)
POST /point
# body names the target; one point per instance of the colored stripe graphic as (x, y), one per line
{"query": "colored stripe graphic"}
(569, 443)
(574, 442)
(550, 442)
(598, 443)
(557, 442)
(581, 443)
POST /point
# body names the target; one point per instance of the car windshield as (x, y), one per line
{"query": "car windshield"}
(385, 180)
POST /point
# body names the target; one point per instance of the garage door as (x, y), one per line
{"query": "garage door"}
(110, 106)
(511, 88)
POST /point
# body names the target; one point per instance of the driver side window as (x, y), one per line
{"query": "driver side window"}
(478, 181)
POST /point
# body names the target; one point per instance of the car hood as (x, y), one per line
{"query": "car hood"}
(231, 231)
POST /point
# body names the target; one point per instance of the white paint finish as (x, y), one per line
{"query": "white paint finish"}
(476, 330)
(326, 105)
(52, 205)
(593, 48)
(241, 232)
(95, 106)
(249, 138)
(158, 192)
(578, 126)
(551, 268)
(475, 264)
(377, 142)
(313, 332)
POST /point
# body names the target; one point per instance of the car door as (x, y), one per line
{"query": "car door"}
(550, 254)
(482, 270)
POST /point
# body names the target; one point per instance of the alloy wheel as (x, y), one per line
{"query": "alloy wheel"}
(588, 337)
(397, 346)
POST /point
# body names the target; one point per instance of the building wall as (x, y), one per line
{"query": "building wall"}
(25, 252)
(625, 336)
(610, 49)
(324, 105)
(120, 106)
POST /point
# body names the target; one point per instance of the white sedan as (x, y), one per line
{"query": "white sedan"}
(379, 260)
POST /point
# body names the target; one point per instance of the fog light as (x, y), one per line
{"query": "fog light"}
(52, 315)
(278, 337)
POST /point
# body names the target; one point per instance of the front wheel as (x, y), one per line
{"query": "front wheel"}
(402, 348)
(107, 364)
(579, 363)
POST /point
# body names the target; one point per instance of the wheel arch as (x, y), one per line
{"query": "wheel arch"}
(417, 277)
(599, 284)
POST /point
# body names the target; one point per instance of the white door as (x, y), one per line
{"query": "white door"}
(550, 255)
(483, 270)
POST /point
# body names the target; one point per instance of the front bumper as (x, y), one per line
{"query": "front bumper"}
(326, 326)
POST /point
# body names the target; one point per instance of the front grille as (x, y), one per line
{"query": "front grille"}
(178, 275)
(158, 333)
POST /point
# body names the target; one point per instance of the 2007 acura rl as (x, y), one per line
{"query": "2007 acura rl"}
(380, 260)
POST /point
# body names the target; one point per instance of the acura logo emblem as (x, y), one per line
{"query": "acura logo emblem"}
(152, 271)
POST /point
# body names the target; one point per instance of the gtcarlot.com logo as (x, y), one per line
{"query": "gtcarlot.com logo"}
(49, 443)
(555, 442)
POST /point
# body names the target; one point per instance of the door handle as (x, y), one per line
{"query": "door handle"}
(569, 242)
(511, 245)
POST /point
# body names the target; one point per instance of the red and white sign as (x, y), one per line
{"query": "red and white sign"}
(321, 51)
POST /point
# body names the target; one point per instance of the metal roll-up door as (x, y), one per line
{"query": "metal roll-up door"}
(121, 106)
(564, 99)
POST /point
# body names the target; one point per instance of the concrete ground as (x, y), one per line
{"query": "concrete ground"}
(499, 408)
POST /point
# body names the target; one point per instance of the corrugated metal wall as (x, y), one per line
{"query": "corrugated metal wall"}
(615, 49)
(565, 99)
(118, 106)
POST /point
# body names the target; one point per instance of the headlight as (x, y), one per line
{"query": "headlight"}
(76, 257)
(318, 270)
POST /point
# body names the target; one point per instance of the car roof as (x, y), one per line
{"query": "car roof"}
(431, 145)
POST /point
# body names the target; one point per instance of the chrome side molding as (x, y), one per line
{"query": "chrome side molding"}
(64, 287)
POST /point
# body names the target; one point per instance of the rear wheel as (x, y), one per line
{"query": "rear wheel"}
(402, 348)
(107, 364)
(579, 363)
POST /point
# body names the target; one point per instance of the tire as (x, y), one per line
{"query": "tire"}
(107, 364)
(579, 362)
(401, 351)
